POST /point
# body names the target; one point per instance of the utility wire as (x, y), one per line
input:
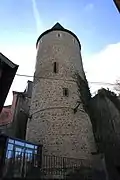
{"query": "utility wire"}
(24, 75)
(99, 83)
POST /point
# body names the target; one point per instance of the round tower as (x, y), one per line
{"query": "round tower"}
(53, 122)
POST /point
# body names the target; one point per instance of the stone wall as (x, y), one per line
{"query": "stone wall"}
(64, 50)
(53, 122)
(105, 116)
(21, 113)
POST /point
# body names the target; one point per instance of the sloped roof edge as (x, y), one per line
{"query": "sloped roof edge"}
(57, 27)
(8, 73)
(117, 3)
(7, 61)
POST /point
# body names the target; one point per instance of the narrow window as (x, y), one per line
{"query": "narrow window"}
(65, 92)
(55, 67)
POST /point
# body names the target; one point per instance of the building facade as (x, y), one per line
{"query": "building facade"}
(13, 118)
(21, 113)
(105, 117)
(53, 121)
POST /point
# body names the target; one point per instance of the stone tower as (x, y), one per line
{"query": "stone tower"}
(53, 122)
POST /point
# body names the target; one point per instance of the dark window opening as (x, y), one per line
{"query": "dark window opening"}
(118, 169)
(65, 92)
(59, 35)
(55, 67)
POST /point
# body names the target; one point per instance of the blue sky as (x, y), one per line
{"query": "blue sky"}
(90, 20)
(95, 22)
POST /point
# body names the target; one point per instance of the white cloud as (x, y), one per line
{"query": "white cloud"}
(39, 24)
(24, 56)
(103, 66)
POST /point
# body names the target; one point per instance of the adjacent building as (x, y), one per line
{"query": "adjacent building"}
(13, 118)
(105, 116)
(7, 73)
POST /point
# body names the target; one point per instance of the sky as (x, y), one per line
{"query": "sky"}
(95, 22)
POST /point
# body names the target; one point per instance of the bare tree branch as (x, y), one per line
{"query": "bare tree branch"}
(117, 86)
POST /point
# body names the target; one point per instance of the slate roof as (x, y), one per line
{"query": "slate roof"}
(57, 27)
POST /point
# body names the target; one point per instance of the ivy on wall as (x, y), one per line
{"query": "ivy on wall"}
(83, 92)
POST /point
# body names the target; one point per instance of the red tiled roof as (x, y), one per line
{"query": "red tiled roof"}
(7, 113)
(6, 116)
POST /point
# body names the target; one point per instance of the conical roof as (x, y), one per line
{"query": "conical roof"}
(57, 26)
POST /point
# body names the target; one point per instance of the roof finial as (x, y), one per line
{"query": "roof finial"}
(57, 26)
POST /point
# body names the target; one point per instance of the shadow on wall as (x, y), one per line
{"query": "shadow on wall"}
(85, 173)
(104, 110)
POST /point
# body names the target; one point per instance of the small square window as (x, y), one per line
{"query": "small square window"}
(10, 140)
(58, 35)
(65, 92)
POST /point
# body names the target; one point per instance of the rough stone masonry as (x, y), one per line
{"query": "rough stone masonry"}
(53, 122)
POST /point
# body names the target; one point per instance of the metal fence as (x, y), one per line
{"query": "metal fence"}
(19, 164)
(59, 166)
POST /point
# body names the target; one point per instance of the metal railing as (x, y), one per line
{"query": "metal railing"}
(59, 166)
(19, 164)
